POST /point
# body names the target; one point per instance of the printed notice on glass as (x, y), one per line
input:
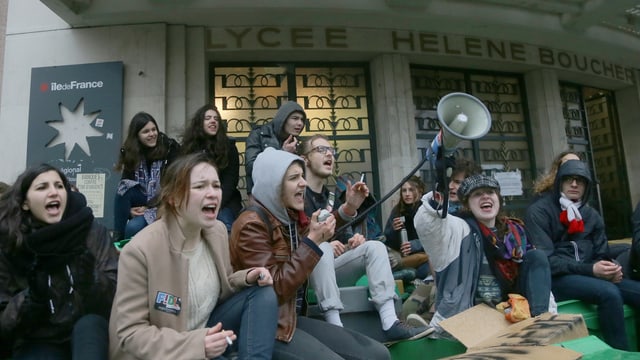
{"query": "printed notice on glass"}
(92, 187)
(510, 182)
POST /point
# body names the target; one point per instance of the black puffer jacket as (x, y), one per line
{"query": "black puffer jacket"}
(63, 271)
(568, 253)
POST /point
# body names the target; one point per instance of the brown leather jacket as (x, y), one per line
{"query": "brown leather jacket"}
(253, 246)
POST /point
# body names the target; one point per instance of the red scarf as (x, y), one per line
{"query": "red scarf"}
(573, 226)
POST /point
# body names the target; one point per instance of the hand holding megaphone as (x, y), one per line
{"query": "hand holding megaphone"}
(461, 116)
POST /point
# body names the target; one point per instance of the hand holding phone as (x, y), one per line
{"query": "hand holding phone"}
(324, 215)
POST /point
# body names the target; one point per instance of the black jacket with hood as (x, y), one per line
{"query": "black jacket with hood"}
(268, 135)
(568, 253)
(74, 266)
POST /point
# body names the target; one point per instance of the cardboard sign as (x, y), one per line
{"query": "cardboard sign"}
(519, 352)
(484, 330)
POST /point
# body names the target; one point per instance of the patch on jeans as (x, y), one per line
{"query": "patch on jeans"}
(168, 303)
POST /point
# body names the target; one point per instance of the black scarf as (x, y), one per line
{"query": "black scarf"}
(57, 244)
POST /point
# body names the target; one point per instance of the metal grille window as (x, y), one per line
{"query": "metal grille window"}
(505, 148)
(335, 99)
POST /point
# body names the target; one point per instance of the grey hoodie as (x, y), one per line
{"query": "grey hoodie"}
(270, 168)
(268, 135)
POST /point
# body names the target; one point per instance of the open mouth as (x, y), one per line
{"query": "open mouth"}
(53, 207)
(486, 205)
(210, 210)
(328, 162)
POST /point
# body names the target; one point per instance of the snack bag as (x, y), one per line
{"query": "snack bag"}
(515, 309)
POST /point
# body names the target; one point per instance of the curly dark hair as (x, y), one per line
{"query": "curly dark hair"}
(195, 139)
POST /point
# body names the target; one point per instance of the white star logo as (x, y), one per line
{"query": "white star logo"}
(74, 128)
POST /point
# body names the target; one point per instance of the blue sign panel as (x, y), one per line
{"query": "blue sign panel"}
(75, 124)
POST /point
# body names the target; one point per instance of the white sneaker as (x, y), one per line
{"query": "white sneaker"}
(416, 320)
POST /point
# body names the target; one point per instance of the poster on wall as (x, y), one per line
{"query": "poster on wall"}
(75, 124)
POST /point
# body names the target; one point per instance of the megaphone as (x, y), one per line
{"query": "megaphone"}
(461, 116)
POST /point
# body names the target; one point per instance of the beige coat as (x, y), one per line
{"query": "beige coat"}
(152, 264)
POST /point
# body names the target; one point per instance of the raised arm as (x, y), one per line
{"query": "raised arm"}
(440, 238)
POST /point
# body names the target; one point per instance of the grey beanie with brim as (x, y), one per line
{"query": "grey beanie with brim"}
(474, 182)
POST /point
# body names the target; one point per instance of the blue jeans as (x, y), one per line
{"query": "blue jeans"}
(423, 270)
(317, 339)
(252, 314)
(534, 281)
(89, 340)
(134, 225)
(122, 209)
(609, 298)
(227, 216)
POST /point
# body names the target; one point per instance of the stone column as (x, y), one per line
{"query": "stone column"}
(176, 80)
(545, 111)
(197, 71)
(395, 126)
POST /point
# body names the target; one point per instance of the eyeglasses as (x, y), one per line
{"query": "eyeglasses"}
(571, 178)
(323, 149)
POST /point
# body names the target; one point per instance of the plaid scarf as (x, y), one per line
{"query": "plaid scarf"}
(150, 181)
(509, 250)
